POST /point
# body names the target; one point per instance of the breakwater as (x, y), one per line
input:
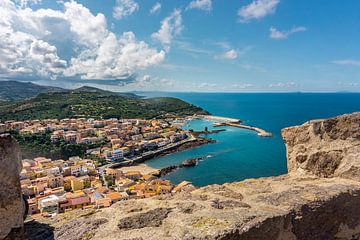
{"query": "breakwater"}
(233, 122)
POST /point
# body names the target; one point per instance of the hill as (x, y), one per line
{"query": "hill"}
(13, 90)
(94, 104)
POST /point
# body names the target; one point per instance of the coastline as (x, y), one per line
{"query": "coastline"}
(190, 143)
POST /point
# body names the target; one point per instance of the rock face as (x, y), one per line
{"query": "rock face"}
(328, 148)
(11, 203)
(318, 199)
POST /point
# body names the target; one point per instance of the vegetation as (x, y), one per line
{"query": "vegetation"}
(35, 145)
(94, 104)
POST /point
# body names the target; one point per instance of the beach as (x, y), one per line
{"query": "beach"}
(142, 168)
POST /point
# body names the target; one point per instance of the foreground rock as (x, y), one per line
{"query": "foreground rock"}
(11, 203)
(318, 199)
(328, 148)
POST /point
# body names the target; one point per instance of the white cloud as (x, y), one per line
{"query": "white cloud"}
(124, 8)
(231, 54)
(257, 9)
(30, 41)
(347, 62)
(155, 9)
(170, 26)
(46, 57)
(115, 58)
(205, 5)
(241, 85)
(276, 34)
(153, 83)
(282, 85)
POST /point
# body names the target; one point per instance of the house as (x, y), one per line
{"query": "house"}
(114, 155)
(117, 196)
(33, 206)
(55, 181)
(67, 182)
(114, 173)
(133, 175)
(78, 170)
(102, 203)
(124, 183)
(79, 202)
(95, 196)
(76, 184)
(49, 204)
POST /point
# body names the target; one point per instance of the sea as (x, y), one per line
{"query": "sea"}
(241, 154)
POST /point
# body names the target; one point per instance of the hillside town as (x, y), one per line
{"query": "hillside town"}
(116, 140)
(59, 186)
(53, 186)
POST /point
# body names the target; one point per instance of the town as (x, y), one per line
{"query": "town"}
(53, 186)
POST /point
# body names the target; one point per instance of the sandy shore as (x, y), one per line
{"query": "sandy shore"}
(142, 168)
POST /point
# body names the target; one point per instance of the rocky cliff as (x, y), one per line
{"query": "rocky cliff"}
(318, 199)
(11, 203)
(325, 148)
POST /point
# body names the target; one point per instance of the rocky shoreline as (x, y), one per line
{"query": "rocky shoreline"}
(199, 142)
(192, 162)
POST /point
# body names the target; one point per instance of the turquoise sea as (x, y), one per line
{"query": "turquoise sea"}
(239, 153)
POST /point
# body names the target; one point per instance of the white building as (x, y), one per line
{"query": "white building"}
(49, 204)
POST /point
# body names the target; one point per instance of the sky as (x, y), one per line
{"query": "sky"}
(187, 45)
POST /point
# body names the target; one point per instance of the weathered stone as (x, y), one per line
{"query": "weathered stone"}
(83, 228)
(325, 148)
(152, 218)
(11, 202)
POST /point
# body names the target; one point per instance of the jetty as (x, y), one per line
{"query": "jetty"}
(232, 122)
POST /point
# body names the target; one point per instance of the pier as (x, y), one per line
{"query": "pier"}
(232, 122)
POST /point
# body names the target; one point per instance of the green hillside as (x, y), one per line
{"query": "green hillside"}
(95, 104)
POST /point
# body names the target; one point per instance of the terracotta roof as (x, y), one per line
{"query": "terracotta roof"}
(114, 196)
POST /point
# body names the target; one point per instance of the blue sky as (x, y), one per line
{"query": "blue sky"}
(199, 45)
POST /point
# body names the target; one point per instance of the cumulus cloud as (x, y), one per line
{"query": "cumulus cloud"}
(257, 9)
(350, 62)
(124, 8)
(30, 41)
(171, 26)
(205, 5)
(278, 35)
(155, 9)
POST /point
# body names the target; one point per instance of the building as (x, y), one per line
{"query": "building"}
(114, 155)
(49, 204)
(55, 181)
(133, 175)
(76, 184)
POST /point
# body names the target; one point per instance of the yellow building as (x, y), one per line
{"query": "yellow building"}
(76, 184)
(67, 182)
